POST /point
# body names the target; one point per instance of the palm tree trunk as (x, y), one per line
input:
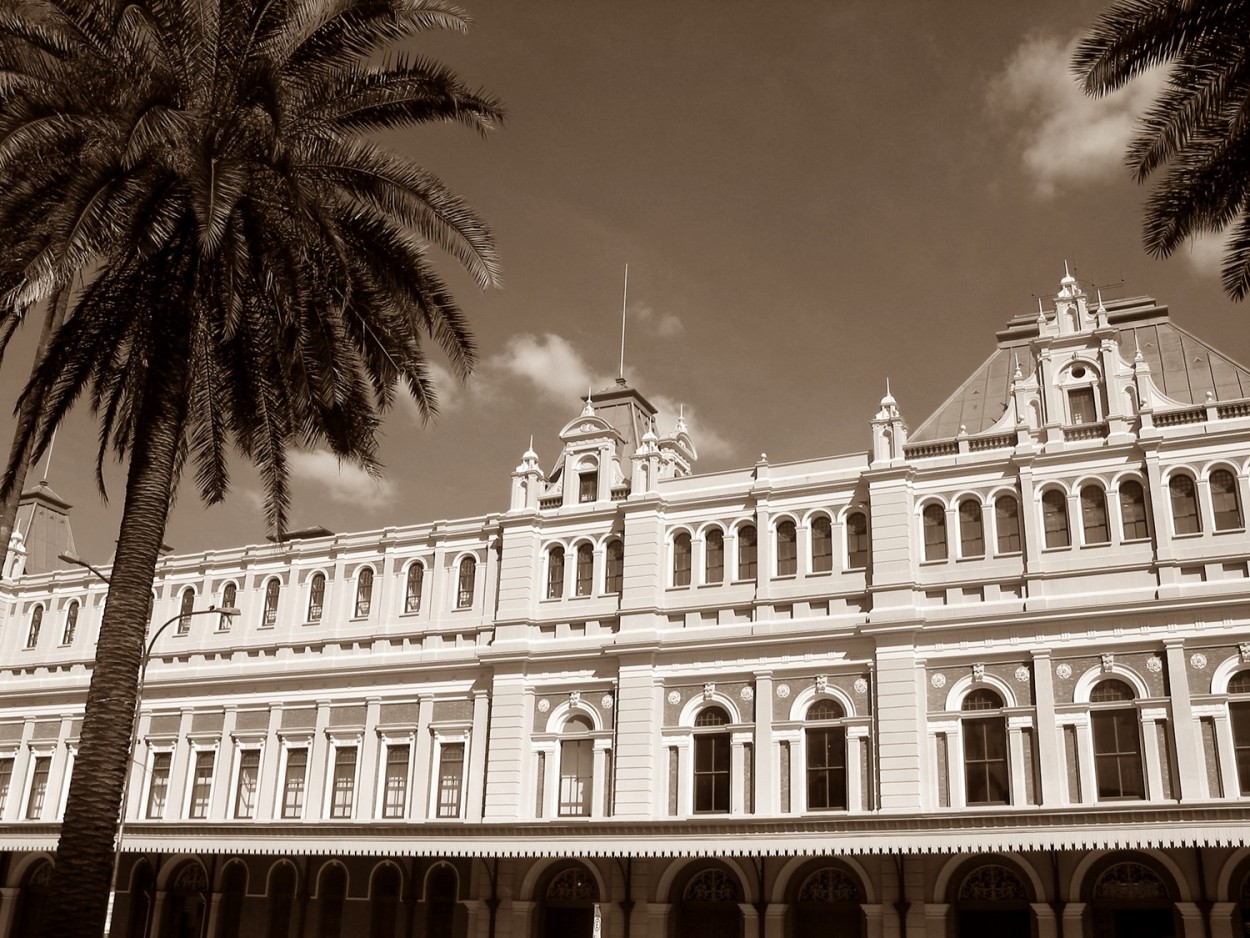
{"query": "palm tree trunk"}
(82, 878)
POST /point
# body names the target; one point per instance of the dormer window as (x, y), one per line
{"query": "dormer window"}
(588, 482)
(1080, 385)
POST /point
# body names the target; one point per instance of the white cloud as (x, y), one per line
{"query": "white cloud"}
(450, 393)
(1206, 253)
(340, 482)
(551, 364)
(708, 442)
(1068, 138)
(656, 324)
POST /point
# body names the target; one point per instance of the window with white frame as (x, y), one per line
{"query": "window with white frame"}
(1055, 519)
(364, 593)
(714, 556)
(1239, 717)
(413, 587)
(555, 572)
(1225, 505)
(748, 552)
(450, 779)
(269, 612)
(576, 767)
(1007, 524)
(6, 780)
(185, 610)
(712, 761)
(971, 529)
(825, 742)
(40, 773)
(395, 780)
(588, 482)
(787, 548)
(36, 623)
(467, 583)
(294, 781)
(1115, 725)
(1094, 529)
(1185, 518)
(614, 576)
(1133, 517)
(585, 580)
(822, 544)
(71, 623)
(857, 541)
(343, 782)
(229, 600)
(681, 559)
(247, 782)
(201, 794)
(933, 520)
(160, 766)
(984, 730)
(316, 597)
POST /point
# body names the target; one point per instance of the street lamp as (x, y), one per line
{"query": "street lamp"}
(79, 562)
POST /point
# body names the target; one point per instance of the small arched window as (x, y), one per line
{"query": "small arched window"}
(467, 583)
(1055, 519)
(971, 529)
(822, 545)
(857, 541)
(585, 569)
(1117, 741)
(934, 518)
(588, 482)
(1133, 511)
(1007, 524)
(787, 549)
(185, 610)
(229, 600)
(269, 616)
(681, 559)
(413, 586)
(1094, 528)
(36, 623)
(747, 552)
(555, 572)
(714, 556)
(615, 574)
(826, 756)
(71, 623)
(986, 779)
(1185, 518)
(1224, 503)
(364, 592)
(316, 597)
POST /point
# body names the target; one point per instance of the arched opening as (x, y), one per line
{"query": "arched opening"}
(186, 899)
(827, 903)
(384, 902)
(1129, 899)
(577, 751)
(281, 900)
(709, 905)
(233, 893)
(33, 901)
(993, 900)
(331, 899)
(440, 902)
(142, 892)
(567, 908)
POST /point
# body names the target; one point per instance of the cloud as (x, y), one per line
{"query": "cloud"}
(1068, 138)
(340, 482)
(551, 364)
(450, 392)
(656, 324)
(708, 442)
(1206, 253)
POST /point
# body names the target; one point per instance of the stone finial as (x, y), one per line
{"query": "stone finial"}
(589, 409)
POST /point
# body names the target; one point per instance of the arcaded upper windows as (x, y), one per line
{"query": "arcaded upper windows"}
(934, 523)
(1055, 519)
(316, 597)
(1007, 524)
(364, 592)
(681, 559)
(1117, 741)
(787, 549)
(857, 540)
(1094, 528)
(185, 609)
(971, 529)
(822, 545)
(1133, 510)
(269, 612)
(615, 573)
(585, 570)
(555, 572)
(714, 556)
(413, 587)
(1185, 518)
(747, 552)
(466, 583)
(1224, 504)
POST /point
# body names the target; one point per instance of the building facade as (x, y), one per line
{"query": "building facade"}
(989, 677)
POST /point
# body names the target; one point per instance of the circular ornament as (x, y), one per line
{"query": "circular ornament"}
(607, 702)
(1154, 663)
(1022, 674)
(1064, 671)
(747, 694)
(674, 697)
(544, 705)
(861, 686)
(783, 691)
(1198, 660)
(938, 680)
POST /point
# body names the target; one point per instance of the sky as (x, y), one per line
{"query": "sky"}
(812, 196)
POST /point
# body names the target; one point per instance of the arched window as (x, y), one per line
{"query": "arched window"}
(230, 905)
(71, 623)
(615, 566)
(555, 572)
(829, 902)
(856, 541)
(184, 611)
(468, 575)
(32, 901)
(1185, 518)
(364, 592)
(229, 600)
(971, 529)
(1133, 511)
(585, 569)
(1239, 714)
(787, 549)
(681, 559)
(331, 897)
(992, 900)
(281, 900)
(440, 902)
(269, 616)
(985, 749)
(412, 587)
(568, 905)
(384, 902)
(1094, 515)
(1224, 503)
(822, 545)
(577, 752)
(714, 556)
(142, 893)
(185, 898)
(826, 756)
(711, 761)
(1117, 741)
(316, 597)
(1007, 524)
(1055, 518)
(36, 623)
(747, 569)
(588, 482)
(934, 532)
(710, 905)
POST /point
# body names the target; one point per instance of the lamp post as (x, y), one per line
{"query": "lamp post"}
(79, 562)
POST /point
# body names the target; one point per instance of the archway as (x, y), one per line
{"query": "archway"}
(1130, 899)
(186, 898)
(441, 892)
(992, 899)
(33, 900)
(230, 905)
(142, 892)
(567, 908)
(709, 906)
(827, 902)
(281, 899)
(384, 901)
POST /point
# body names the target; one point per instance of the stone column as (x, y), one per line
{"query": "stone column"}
(1049, 734)
(1150, 751)
(1221, 916)
(1191, 920)
(223, 770)
(1015, 755)
(475, 782)
(8, 902)
(370, 752)
(935, 915)
(657, 919)
(599, 777)
(1047, 924)
(1085, 757)
(269, 787)
(737, 773)
(423, 771)
(775, 920)
(1189, 760)
(766, 790)
(319, 746)
(857, 746)
(1073, 920)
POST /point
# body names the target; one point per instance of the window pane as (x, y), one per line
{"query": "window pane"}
(1117, 754)
(616, 566)
(1239, 711)
(1224, 501)
(201, 784)
(36, 623)
(1055, 518)
(6, 779)
(787, 549)
(934, 532)
(588, 486)
(249, 770)
(681, 560)
(971, 533)
(1133, 511)
(364, 593)
(822, 545)
(450, 779)
(270, 615)
(746, 552)
(158, 786)
(38, 787)
(714, 548)
(395, 785)
(343, 785)
(468, 573)
(576, 772)
(1081, 405)
(316, 597)
(585, 569)
(229, 599)
(296, 781)
(711, 773)
(826, 768)
(1184, 505)
(1007, 523)
(412, 592)
(985, 761)
(1094, 515)
(555, 573)
(857, 541)
(71, 624)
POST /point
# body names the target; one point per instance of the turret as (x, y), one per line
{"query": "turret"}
(889, 433)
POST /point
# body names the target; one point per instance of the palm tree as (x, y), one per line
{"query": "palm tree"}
(252, 273)
(1197, 133)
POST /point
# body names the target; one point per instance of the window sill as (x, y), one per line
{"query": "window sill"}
(786, 576)
(1219, 531)
(970, 557)
(1096, 544)
(1187, 535)
(934, 563)
(1056, 549)
(1136, 540)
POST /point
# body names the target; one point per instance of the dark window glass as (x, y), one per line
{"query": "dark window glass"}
(316, 597)
(71, 623)
(1184, 505)
(714, 559)
(616, 566)
(1081, 405)
(412, 591)
(202, 784)
(1239, 712)
(1007, 524)
(395, 783)
(38, 787)
(576, 772)
(985, 761)
(1224, 502)
(343, 784)
(585, 570)
(934, 532)
(711, 773)
(450, 779)
(1133, 511)
(1110, 690)
(1117, 753)
(36, 623)
(747, 552)
(787, 549)
(971, 529)
(468, 574)
(158, 785)
(184, 612)
(857, 541)
(249, 773)
(822, 545)
(826, 760)
(229, 600)
(588, 486)
(270, 615)
(364, 592)
(555, 573)
(1094, 515)
(1055, 518)
(681, 559)
(295, 784)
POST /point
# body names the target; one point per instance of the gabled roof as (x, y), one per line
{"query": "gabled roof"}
(1182, 366)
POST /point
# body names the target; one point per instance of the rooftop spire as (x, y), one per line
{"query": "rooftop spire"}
(589, 409)
(620, 375)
